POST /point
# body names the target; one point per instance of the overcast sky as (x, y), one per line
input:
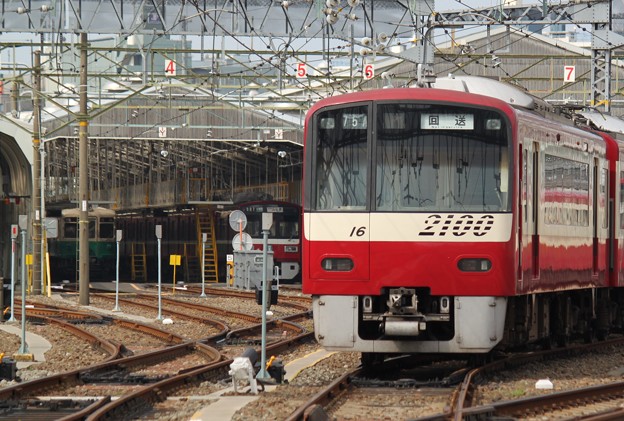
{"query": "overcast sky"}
(465, 4)
(24, 54)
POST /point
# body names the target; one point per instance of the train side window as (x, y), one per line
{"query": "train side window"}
(107, 228)
(91, 227)
(70, 228)
(566, 198)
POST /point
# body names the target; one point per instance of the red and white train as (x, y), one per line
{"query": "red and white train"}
(284, 237)
(441, 221)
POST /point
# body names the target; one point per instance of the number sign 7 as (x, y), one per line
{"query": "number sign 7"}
(569, 73)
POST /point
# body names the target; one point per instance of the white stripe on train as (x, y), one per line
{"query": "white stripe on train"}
(424, 227)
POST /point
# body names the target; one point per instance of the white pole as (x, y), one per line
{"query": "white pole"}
(13, 248)
(203, 264)
(263, 374)
(267, 222)
(23, 347)
(118, 238)
(158, 237)
(48, 290)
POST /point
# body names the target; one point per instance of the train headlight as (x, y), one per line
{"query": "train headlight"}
(337, 264)
(474, 265)
(291, 249)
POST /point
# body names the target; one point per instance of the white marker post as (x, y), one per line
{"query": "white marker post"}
(158, 238)
(14, 232)
(203, 263)
(119, 234)
(23, 224)
(267, 221)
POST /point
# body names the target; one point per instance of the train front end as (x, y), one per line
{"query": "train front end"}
(409, 239)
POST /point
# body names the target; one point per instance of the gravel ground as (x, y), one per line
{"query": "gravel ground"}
(133, 342)
(599, 367)
(281, 402)
(390, 404)
(9, 343)
(59, 358)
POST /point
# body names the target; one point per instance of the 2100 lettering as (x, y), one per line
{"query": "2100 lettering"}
(465, 224)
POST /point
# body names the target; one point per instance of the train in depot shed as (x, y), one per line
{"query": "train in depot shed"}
(182, 229)
(284, 237)
(63, 250)
(439, 220)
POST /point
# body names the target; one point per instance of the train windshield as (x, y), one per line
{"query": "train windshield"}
(424, 158)
(107, 228)
(342, 159)
(70, 228)
(285, 221)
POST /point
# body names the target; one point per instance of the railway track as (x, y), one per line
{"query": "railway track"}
(84, 319)
(196, 312)
(299, 302)
(117, 368)
(64, 393)
(158, 392)
(601, 402)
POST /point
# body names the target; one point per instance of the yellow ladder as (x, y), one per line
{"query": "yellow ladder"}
(205, 224)
(139, 261)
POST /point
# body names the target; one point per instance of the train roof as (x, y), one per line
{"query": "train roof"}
(604, 122)
(452, 88)
(407, 94)
(493, 88)
(496, 90)
(102, 212)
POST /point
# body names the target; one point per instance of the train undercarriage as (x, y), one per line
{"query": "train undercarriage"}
(410, 320)
(557, 318)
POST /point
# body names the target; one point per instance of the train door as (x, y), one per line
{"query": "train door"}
(595, 219)
(603, 201)
(619, 223)
(528, 202)
(600, 217)
(535, 211)
(522, 213)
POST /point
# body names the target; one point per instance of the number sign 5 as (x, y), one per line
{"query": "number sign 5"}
(302, 70)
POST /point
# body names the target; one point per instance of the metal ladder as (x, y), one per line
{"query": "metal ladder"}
(205, 224)
(139, 262)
